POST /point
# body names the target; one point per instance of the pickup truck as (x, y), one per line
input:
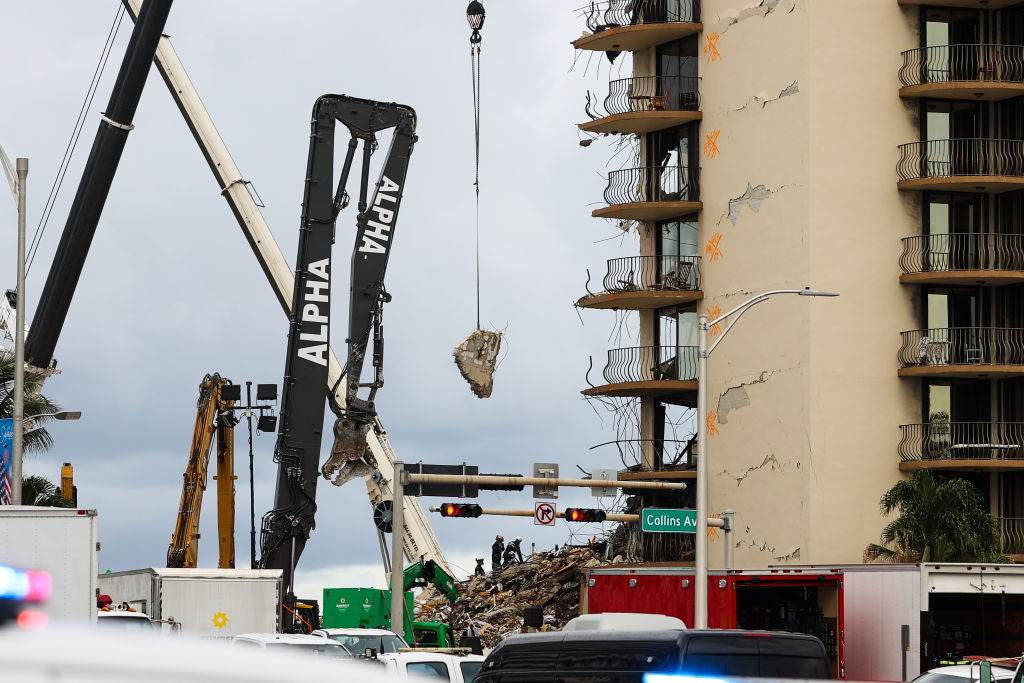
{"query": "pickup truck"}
(445, 666)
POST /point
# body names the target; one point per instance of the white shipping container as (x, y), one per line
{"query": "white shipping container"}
(209, 603)
(61, 541)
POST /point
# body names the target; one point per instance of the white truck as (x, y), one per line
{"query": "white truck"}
(62, 542)
(207, 603)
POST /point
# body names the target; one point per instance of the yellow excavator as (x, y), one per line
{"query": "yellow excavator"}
(214, 416)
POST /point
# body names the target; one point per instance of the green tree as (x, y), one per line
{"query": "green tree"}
(37, 490)
(37, 438)
(937, 521)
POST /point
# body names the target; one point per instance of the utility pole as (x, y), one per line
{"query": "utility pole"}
(18, 413)
(397, 552)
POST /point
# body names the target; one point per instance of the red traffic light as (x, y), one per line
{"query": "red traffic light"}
(585, 515)
(460, 510)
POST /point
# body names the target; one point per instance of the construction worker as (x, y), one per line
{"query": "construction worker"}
(514, 552)
(479, 571)
(496, 550)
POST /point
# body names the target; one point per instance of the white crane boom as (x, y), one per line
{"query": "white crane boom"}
(417, 536)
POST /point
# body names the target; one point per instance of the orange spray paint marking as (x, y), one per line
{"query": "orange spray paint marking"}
(712, 423)
(712, 249)
(712, 533)
(711, 48)
(711, 144)
(715, 329)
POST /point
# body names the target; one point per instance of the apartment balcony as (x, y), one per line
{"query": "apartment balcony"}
(1011, 536)
(944, 445)
(668, 373)
(630, 25)
(993, 259)
(978, 352)
(963, 165)
(637, 283)
(963, 72)
(967, 4)
(652, 193)
(645, 104)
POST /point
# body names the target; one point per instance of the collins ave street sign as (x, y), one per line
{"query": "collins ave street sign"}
(668, 521)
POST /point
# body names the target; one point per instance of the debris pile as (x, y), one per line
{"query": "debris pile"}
(494, 604)
(476, 356)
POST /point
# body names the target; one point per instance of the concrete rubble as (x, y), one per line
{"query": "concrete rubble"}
(476, 356)
(548, 579)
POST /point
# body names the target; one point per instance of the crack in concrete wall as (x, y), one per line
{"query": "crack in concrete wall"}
(736, 397)
(752, 198)
(793, 554)
(760, 9)
(764, 100)
(770, 462)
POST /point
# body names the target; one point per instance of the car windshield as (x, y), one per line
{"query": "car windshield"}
(326, 649)
(470, 670)
(359, 644)
(133, 624)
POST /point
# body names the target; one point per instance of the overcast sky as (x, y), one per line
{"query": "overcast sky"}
(171, 289)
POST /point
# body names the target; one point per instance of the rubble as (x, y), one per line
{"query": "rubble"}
(548, 579)
(476, 356)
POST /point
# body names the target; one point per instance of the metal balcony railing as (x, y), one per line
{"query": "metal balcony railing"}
(651, 363)
(952, 63)
(1011, 535)
(951, 252)
(944, 440)
(652, 184)
(653, 273)
(961, 157)
(653, 93)
(614, 13)
(962, 346)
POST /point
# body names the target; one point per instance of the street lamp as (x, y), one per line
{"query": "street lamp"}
(700, 609)
(17, 178)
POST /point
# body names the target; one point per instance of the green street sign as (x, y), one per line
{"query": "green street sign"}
(668, 521)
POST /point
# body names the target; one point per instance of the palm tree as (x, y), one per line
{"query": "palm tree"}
(37, 438)
(939, 521)
(37, 490)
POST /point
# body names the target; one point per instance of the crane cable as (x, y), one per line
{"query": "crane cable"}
(474, 60)
(69, 150)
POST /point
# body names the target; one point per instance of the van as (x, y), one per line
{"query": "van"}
(620, 656)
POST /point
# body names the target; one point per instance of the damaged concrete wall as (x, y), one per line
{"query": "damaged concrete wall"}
(801, 122)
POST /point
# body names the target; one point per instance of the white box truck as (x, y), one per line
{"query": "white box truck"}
(61, 541)
(209, 603)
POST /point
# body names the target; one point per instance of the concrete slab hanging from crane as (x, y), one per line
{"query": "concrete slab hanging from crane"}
(476, 356)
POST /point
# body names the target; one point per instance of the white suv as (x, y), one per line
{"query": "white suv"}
(359, 640)
(292, 642)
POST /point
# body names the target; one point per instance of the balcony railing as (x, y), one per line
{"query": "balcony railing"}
(652, 184)
(951, 252)
(961, 157)
(651, 364)
(653, 273)
(653, 93)
(943, 440)
(963, 346)
(952, 63)
(1011, 535)
(615, 13)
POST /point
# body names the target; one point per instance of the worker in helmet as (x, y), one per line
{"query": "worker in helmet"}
(514, 552)
(496, 551)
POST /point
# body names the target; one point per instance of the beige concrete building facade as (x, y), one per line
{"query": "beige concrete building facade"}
(870, 147)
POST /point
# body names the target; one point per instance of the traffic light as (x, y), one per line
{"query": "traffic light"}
(584, 515)
(461, 510)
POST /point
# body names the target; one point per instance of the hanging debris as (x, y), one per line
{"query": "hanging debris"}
(476, 357)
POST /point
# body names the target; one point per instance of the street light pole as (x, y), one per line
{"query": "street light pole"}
(18, 413)
(700, 608)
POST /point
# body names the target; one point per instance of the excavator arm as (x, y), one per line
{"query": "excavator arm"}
(428, 572)
(286, 528)
(213, 421)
